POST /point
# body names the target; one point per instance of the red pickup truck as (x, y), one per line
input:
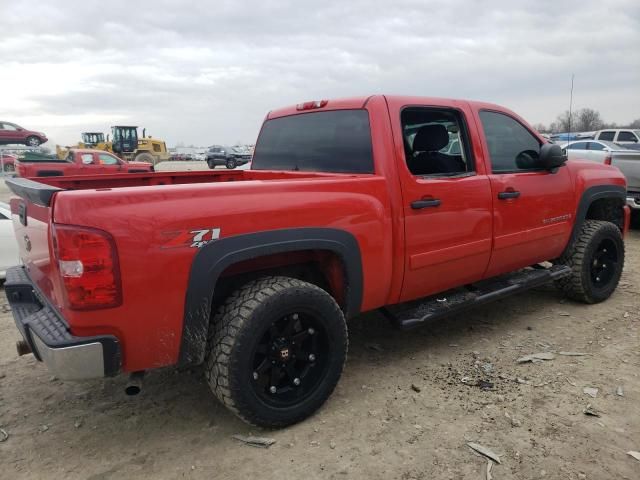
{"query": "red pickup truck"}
(80, 162)
(420, 207)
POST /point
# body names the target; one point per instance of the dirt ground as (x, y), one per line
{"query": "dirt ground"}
(405, 408)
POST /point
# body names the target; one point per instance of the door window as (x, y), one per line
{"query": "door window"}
(435, 142)
(512, 147)
(607, 135)
(626, 137)
(106, 159)
(578, 146)
(87, 158)
(10, 127)
(595, 146)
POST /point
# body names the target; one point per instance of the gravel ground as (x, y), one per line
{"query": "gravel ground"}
(405, 408)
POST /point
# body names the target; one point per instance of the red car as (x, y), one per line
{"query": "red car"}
(7, 162)
(11, 133)
(350, 206)
(80, 161)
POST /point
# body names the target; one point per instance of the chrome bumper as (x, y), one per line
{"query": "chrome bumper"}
(634, 202)
(67, 356)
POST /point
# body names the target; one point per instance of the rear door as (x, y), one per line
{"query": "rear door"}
(532, 207)
(446, 198)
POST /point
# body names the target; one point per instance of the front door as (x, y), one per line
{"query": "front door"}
(532, 211)
(447, 202)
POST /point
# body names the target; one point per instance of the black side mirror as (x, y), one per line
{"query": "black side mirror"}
(551, 156)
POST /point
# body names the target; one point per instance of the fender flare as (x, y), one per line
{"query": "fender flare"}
(212, 259)
(589, 196)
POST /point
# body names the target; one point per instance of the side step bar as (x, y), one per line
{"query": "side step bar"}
(415, 313)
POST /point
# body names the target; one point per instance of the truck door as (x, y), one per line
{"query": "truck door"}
(446, 200)
(533, 208)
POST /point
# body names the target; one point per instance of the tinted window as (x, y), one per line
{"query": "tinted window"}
(337, 141)
(107, 159)
(595, 146)
(3, 216)
(578, 146)
(511, 146)
(626, 137)
(434, 142)
(606, 135)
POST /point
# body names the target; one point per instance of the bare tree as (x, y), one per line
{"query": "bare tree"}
(588, 119)
(564, 122)
(540, 127)
(635, 123)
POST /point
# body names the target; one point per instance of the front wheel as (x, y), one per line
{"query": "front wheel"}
(596, 260)
(276, 351)
(32, 142)
(231, 163)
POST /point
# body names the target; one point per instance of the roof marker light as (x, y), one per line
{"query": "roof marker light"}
(312, 105)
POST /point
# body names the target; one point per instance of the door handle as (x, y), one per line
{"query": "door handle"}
(508, 194)
(418, 204)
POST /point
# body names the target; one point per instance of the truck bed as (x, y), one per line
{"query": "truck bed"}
(109, 181)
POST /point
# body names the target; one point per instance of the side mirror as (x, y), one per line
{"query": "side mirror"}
(551, 156)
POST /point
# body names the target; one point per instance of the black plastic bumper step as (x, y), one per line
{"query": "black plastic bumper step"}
(412, 314)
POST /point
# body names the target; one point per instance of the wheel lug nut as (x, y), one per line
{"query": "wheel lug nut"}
(295, 316)
(296, 381)
(311, 331)
(312, 357)
(272, 389)
(597, 279)
(255, 375)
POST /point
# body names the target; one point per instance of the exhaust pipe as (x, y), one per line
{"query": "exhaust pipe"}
(23, 348)
(134, 385)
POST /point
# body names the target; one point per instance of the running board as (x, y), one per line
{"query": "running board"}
(415, 313)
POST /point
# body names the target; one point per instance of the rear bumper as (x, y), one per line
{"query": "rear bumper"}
(47, 333)
(633, 200)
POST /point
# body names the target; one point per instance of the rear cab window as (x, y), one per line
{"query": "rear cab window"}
(337, 141)
(607, 135)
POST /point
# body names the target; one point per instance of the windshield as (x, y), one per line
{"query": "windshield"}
(337, 141)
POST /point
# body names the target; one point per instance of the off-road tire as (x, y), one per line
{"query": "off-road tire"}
(32, 141)
(581, 257)
(237, 327)
(145, 157)
(231, 163)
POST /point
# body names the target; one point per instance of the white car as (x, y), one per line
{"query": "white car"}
(595, 150)
(622, 136)
(8, 245)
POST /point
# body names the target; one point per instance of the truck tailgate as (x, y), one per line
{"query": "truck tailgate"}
(32, 214)
(629, 165)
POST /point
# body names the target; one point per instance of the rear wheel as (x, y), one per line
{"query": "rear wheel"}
(9, 168)
(32, 142)
(276, 350)
(596, 261)
(231, 163)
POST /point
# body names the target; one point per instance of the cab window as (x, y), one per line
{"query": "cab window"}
(435, 142)
(512, 147)
(106, 159)
(87, 158)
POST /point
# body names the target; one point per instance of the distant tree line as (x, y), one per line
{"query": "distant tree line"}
(583, 120)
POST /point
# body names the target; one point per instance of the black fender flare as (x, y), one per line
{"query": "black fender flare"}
(589, 196)
(213, 258)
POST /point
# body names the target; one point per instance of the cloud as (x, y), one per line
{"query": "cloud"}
(208, 72)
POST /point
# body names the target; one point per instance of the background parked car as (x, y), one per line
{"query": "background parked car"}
(230, 157)
(595, 150)
(7, 162)
(8, 245)
(622, 136)
(11, 133)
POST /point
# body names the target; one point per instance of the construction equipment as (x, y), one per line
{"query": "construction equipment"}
(95, 140)
(127, 145)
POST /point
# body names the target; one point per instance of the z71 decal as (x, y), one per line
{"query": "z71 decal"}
(193, 238)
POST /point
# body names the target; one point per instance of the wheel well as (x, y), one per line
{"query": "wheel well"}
(609, 209)
(322, 268)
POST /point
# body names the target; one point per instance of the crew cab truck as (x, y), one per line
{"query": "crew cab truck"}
(80, 162)
(350, 206)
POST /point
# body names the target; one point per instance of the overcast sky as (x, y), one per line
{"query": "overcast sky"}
(208, 72)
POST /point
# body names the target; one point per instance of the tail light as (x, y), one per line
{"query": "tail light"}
(88, 264)
(607, 160)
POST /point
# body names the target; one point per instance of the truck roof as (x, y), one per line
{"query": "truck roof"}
(360, 102)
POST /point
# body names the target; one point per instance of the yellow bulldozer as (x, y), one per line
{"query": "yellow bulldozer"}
(125, 143)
